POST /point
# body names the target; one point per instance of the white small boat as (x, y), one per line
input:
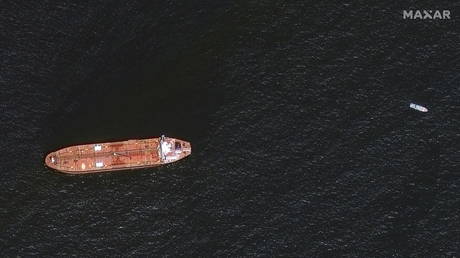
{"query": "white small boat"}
(418, 107)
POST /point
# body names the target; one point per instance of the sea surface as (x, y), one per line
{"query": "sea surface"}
(304, 144)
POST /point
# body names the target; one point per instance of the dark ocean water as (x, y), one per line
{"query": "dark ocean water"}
(303, 142)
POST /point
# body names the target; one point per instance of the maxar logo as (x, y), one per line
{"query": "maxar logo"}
(426, 14)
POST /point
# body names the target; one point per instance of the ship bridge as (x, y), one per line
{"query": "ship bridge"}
(171, 149)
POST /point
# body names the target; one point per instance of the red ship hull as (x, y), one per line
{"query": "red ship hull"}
(123, 155)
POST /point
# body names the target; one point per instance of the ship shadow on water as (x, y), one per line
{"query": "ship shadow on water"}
(151, 85)
(174, 98)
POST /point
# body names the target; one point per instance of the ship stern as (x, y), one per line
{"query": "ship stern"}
(174, 149)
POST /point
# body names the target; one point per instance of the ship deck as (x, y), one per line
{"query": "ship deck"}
(130, 154)
(108, 156)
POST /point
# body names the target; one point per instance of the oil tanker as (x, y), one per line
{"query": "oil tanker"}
(123, 155)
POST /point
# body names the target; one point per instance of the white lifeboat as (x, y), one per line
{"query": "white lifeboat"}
(418, 107)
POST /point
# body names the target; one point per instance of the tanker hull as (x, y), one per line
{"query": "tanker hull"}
(123, 155)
